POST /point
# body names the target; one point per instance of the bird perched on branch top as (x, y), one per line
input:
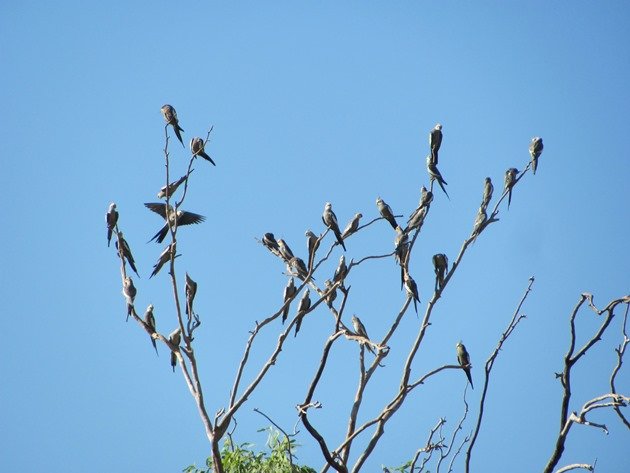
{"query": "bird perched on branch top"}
(191, 292)
(352, 226)
(386, 212)
(197, 148)
(123, 247)
(289, 293)
(535, 150)
(341, 271)
(330, 220)
(175, 338)
(176, 219)
(312, 243)
(435, 141)
(149, 319)
(510, 180)
(464, 361)
(172, 187)
(488, 189)
(170, 116)
(435, 175)
(269, 241)
(112, 219)
(360, 330)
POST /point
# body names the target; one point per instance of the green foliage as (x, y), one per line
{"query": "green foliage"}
(243, 459)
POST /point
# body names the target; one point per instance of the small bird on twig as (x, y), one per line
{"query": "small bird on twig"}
(165, 256)
(123, 247)
(170, 116)
(510, 180)
(197, 148)
(435, 175)
(332, 295)
(285, 251)
(112, 219)
(269, 241)
(360, 330)
(464, 361)
(312, 243)
(129, 292)
(172, 187)
(191, 292)
(352, 226)
(149, 319)
(303, 306)
(175, 338)
(341, 271)
(488, 189)
(289, 293)
(535, 150)
(330, 220)
(386, 212)
(412, 291)
(435, 141)
(440, 265)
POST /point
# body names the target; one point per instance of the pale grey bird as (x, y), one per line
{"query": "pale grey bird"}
(341, 271)
(435, 141)
(289, 293)
(352, 226)
(285, 251)
(312, 243)
(417, 219)
(426, 197)
(111, 218)
(488, 189)
(330, 220)
(176, 219)
(165, 256)
(510, 180)
(480, 221)
(172, 187)
(175, 338)
(435, 175)
(129, 291)
(149, 319)
(297, 267)
(197, 149)
(360, 330)
(386, 212)
(440, 265)
(401, 250)
(412, 290)
(535, 150)
(303, 306)
(170, 116)
(332, 295)
(191, 292)
(123, 247)
(464, 361)
(269, 241)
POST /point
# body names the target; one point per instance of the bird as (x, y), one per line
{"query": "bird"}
(289, 293)
(352, 226)
(129, 291)
(426, 197)
(284, 249)
(332, 295)
(297, 267)
(175, 338)
(464, 361)
(197, 148)
(269, 241)
(510, 180)
(480, 221)
(312, 243)
(535, 150)
(435, 141)
(191, 291)
(303, 306)
(386, 212)
(123, 247)
(165, 256)
(435, 175)
(330, 220)
(440, 265)
(341, 271)
(488, 189)
(401, 250)
(112, 219)
(170, 116)
(175, 219)
(149, 319)
(417, 219)
(412, 290)
(172, 187)
(359, 329)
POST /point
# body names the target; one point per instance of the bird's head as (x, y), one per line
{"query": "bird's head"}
(358, 215)
(150, 308)
(112, 206)
(328, 206)
(438, 126)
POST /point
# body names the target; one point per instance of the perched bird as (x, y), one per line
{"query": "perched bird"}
(297, 267)
(129, 291)
(435, 175)
(312, 243)
(285, 251)
(417, 219)
(426, 197)
(175, 219)
(510, 180)
(165, 256)
(440, 265)
(191, 292)
(170, 116)
(175, 338)
(269, 241)
(332, 295)
(112, 219)
(352, 227)
(480, 221)
(341, 271)
(330, 220)
(464, 361)
(197, 149)
(535, 150)
(386, 212)
(359, 329)
(172, 187)
(401, 251)
(303, 306)
(123, 247)
(488, 189)
(289, 293)
(149, 319)
(412, 290)
(435, 140)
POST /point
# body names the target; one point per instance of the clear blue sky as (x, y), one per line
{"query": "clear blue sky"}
(310, 103)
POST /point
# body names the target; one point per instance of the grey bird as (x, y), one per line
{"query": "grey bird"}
(303, 306)
(330, 220)
(360, 330)
(386, 212)
(170, 116)
(417, 219)
(352, 226)
(440, 265)
(312, 243)
(269, 241)
(341, 271)
(297, 267)
(191, 292)
(488, 189)
(401, 250)
(165, 256)
(535, 150)
(289, 293)
(112, 219)
(464, 361)
(435, 141)
(197, 148)
(510, 180)
(435, 175)
(480, 221)
(172, 187)
(123, 247)
(332, 295)
(149, 319)
(176, 219)
(175, 338)
(412, 290)
(129, 291)
(285, 251)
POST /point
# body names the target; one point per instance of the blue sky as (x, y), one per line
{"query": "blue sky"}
(310, 103)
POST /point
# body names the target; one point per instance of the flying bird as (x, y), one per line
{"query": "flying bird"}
(412, 291)
(352, 226)
(303, 306)
(170, 116)
(510, 180)
(359, 329)
(285, 251)
(191, 291)
(488, 189)
(435, 175)
(123, 247)
(440, 265)
(330, 220)
(175, 338)
(480, 221)
(112, 219)
(312, 243)
(172, 187)
(535, 150)
(464, 361)
(289, 293)
(269, 241)
(435, 141)
(129, 291)
(175, 219)
(165, 256)
(332, 295)
(149, 319)
(197, 149)
(341, 271)
(386, 212)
